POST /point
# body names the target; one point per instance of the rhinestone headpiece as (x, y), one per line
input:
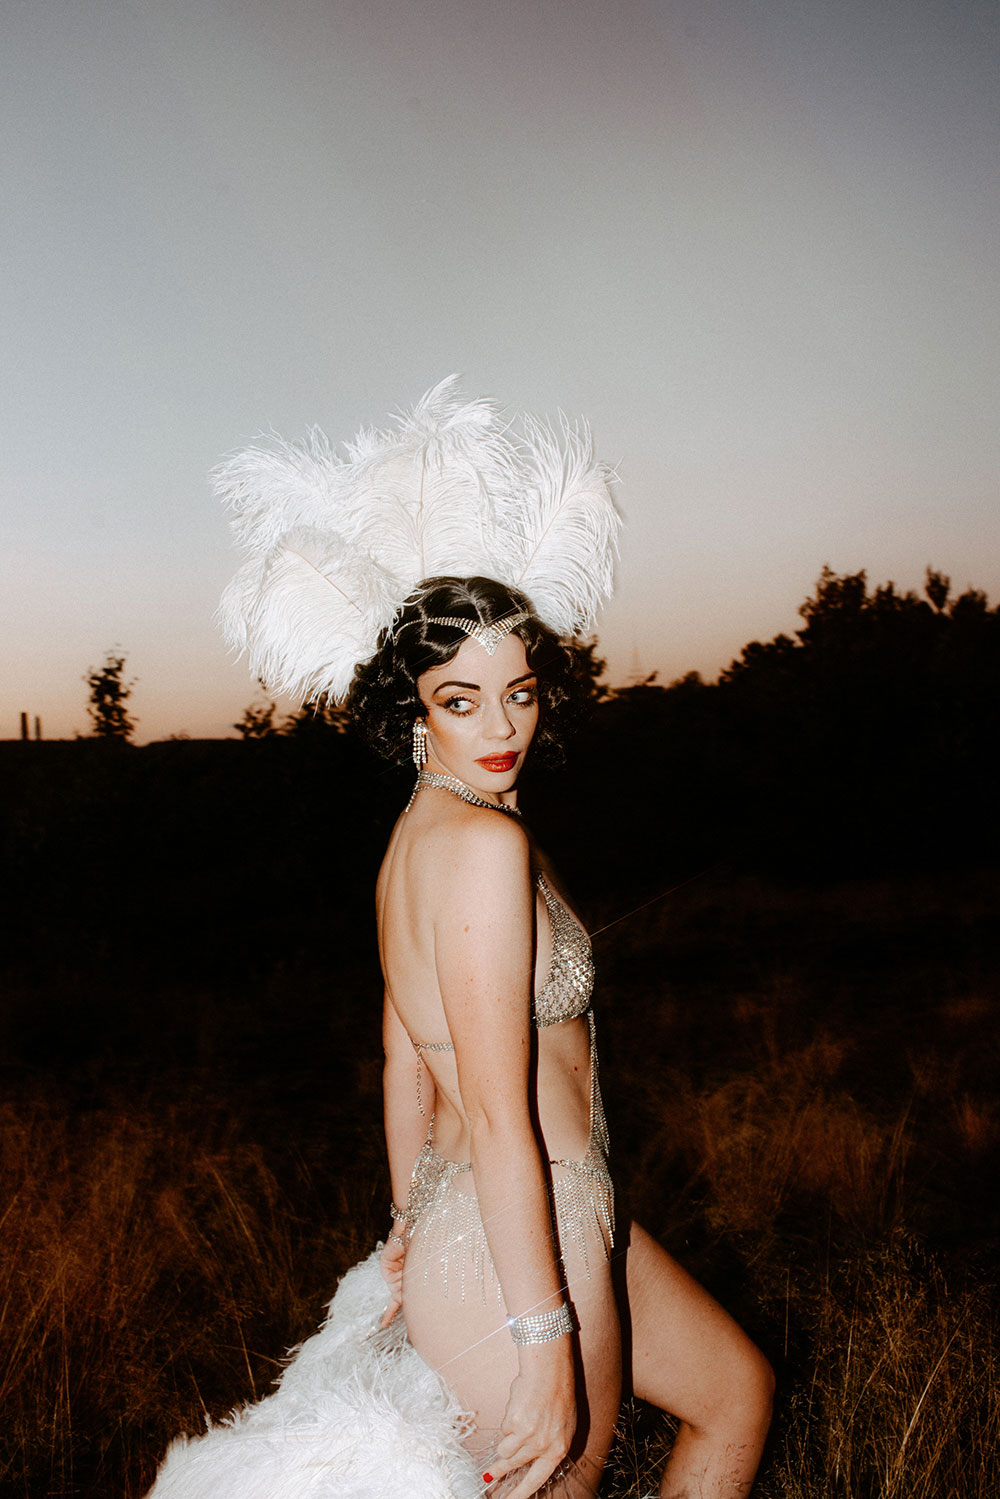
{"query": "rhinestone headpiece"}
(490, 637)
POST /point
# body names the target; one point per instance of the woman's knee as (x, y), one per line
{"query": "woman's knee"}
(763, 1385)
(744, 1393)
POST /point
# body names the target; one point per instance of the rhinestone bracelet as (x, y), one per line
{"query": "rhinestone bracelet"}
(394, 1238)
(544, 1327)
(402, 1215)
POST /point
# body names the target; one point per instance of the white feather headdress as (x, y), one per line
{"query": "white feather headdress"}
(335, 545)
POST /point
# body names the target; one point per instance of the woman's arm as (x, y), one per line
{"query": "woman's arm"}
(484, 953)
(405, 1132)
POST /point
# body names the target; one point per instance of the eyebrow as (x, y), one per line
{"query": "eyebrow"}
(475, 687)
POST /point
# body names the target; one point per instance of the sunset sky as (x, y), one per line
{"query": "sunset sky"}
(755, 242)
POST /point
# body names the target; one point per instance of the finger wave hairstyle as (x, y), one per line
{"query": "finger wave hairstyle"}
(384, 702)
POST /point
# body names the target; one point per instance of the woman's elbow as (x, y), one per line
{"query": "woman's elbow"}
(492, 1123)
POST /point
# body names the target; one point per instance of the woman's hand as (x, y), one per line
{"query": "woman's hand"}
(540, 1418)
(391, 1264)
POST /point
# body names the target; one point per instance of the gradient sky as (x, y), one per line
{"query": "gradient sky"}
(754, 241)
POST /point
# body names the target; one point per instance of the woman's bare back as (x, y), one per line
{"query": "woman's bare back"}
(409, 902)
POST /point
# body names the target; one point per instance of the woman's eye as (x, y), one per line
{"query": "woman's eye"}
(524, 696)
(460, 705)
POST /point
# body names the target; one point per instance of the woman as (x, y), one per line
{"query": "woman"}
(431, 577)
(492, 1108)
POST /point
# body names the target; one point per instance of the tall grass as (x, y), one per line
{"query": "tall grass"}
(152, 1270)
(904, 1397)
(891, 1360)
(810, 1137)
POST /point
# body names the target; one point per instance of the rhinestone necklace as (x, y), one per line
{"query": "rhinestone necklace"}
(460, 789)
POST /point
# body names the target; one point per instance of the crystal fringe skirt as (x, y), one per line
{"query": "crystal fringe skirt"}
(449, 1238)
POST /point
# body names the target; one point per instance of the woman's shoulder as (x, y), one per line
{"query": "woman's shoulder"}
(460, 841)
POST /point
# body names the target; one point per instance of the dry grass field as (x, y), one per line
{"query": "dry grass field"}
(802, 1087)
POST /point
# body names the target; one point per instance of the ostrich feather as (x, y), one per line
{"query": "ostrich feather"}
(270, 490)
(421, 492)
(336, 544)
(307, 612)
(566, 526)
(357, 1414)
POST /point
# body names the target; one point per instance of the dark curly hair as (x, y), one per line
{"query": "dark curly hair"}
(383, 700)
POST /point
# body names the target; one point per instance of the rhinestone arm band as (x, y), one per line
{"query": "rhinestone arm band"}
(544, 1327)
(401, 1215)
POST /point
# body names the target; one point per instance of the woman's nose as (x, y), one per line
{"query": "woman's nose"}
(499, 725)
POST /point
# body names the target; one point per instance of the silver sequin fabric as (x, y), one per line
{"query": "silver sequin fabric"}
(570, 982)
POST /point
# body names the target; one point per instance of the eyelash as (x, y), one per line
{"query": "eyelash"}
(528, 694)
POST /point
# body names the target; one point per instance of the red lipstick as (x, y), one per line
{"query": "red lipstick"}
(501, 764)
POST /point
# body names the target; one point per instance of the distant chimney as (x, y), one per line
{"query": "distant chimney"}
(38, 727)
(24, 725)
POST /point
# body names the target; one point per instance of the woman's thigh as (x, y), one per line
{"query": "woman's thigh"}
(458, 1324)
(465, 1338)
(686, 1353)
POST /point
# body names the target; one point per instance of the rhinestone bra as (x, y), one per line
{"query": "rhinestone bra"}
(570, 982)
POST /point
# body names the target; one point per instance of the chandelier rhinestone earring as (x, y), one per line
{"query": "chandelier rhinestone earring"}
(419, 743)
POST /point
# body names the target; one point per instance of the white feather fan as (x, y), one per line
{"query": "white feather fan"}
(356, 1415)
(335, 545)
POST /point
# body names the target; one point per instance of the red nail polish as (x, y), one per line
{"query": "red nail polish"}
(487, 1478)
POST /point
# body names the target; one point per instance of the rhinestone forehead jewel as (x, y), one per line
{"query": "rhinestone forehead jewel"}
(490, 637)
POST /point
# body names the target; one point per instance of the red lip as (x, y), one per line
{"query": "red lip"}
(498, 763)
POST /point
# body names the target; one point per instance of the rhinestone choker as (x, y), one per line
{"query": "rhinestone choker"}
(460, 789)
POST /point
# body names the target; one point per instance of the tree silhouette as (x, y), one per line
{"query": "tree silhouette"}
(590, 668)
(257, 721)
(937, 588)
(317, 717)
(109, 695)
(873, 731)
